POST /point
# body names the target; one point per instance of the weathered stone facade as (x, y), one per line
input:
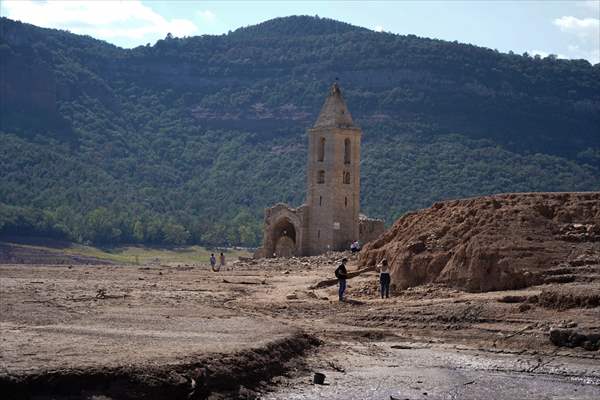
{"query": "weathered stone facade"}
(330, 219)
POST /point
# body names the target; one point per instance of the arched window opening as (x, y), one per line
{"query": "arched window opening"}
(321, 152)
(346, 177)
(319, 234)
(347, 149)
(345, 202)
(320, 200)
(321, 177)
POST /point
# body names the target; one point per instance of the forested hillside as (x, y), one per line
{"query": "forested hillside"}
(187, 140)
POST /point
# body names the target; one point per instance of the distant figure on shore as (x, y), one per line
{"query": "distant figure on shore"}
(341, 274)
(213, 262)
(355, 247)
(384, 279)
(222, 260)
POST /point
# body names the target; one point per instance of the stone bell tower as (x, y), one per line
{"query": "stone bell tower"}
(333, 177)
(330, 219)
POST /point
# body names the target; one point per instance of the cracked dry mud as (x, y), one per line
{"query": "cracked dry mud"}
(250, 331)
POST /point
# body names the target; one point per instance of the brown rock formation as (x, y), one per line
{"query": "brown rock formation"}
(496, 242)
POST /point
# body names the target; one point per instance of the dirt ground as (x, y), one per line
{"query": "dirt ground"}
(259, 329)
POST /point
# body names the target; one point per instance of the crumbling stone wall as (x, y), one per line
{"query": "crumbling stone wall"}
(369, 229)
(284, 231)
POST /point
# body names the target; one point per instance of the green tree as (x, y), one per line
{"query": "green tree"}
(101, 227)
(175, 234)
(139, 232)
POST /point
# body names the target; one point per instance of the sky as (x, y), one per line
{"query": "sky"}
(568, 29)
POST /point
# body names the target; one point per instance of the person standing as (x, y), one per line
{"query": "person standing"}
(353, 247)
(342, 274)
(384, 279)
(222, 260)
(213, 262)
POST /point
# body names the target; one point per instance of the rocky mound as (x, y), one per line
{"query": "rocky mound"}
(499, 242)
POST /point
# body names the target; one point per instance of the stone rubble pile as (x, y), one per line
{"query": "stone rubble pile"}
(331, 258)
(580, 233)
(573, 338)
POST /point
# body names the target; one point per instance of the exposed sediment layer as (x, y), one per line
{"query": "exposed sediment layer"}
(216, 373)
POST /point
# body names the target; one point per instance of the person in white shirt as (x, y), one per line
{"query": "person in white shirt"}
(384, 279)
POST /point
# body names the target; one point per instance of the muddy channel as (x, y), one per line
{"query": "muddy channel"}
(390, 371)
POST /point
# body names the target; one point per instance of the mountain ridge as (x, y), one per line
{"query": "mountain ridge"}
(197, 135)
(303, 24)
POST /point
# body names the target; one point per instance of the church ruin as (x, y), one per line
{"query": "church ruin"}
(330, 219)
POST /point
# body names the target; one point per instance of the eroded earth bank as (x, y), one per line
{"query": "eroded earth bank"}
(262, 328)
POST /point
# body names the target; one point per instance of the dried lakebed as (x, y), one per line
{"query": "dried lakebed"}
(256, 329)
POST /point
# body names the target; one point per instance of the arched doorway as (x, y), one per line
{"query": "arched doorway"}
(284, 238)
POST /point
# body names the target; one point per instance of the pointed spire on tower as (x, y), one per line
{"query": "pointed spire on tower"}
(334, 112)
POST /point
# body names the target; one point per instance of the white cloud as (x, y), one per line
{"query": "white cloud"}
(587, 33)
(378, 28)
(103, 19)
(582, 27)
(207, 16)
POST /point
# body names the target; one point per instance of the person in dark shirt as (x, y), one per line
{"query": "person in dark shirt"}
(213, 262)
(342, 274)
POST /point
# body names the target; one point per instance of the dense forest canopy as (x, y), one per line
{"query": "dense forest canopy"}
(187, 140)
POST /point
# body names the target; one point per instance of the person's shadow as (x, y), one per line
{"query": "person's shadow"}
(354, 302)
